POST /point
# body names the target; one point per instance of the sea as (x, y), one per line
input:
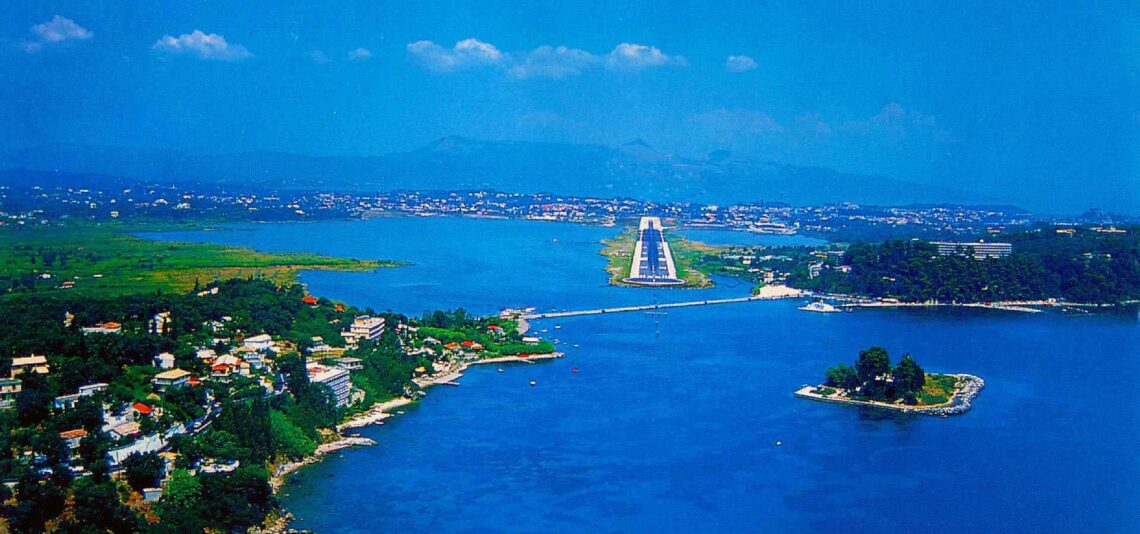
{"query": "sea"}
(686, 420)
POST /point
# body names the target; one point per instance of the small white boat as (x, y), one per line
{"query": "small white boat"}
(533, 383)
(500, 369)
(820, 307)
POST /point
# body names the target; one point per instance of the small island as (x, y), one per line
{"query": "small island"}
(905, 387)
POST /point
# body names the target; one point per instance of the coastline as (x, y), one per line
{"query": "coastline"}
(1026, 306)
(959, 403)
(377, 413)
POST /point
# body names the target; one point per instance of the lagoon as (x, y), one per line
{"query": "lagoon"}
(672, 421)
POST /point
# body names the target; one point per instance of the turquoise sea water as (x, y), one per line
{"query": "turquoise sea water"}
(671, 423)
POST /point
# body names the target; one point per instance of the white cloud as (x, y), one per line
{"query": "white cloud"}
(542, 62)
(57, 30)
(359, 54)
(553, 62)
(634, 57)
(208, 46)
(465, 54)
(739, 64)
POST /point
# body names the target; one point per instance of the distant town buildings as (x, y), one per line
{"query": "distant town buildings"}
(979, 250)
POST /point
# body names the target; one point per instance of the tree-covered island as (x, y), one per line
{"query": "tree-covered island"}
(873, 381)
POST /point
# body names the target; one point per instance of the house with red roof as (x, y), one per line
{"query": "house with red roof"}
(309, 299)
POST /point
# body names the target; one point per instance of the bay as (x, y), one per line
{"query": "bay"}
(672, 422)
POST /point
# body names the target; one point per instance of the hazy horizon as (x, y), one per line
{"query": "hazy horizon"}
(1028, 105)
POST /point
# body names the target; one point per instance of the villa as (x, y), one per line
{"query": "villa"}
(258, 342)
(33, 363)
(171, 379)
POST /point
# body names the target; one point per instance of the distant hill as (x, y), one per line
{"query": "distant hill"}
(633, 170)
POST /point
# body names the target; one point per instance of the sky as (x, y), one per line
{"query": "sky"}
(1040, 99)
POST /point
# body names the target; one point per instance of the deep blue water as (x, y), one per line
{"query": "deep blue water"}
(673, 426)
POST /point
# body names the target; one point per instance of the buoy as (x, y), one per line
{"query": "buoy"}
(574, 370)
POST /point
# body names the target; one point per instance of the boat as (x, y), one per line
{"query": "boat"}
(533, 383)
(500, 369)
(576, 345)
(819, 307)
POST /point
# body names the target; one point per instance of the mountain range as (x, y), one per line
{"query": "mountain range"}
(633, 170)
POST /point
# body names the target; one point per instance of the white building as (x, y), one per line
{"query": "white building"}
(258, 342)
(33, 363)
(164, 361)
(335, 378)
(364, 327)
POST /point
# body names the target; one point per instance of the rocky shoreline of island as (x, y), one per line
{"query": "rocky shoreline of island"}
(961, 401)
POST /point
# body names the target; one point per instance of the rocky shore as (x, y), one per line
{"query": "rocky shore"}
(283, 470)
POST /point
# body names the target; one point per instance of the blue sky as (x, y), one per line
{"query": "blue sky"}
(989, 96)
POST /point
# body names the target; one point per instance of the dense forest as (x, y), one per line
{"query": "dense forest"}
(1082, 266)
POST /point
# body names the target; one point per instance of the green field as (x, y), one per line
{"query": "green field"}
(938, 389)
(108, 261)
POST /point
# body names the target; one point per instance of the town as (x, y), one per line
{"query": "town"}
(34, 204)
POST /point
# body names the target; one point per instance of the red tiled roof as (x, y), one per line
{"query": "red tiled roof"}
(309, 299)
(142, 408)
(73, 434)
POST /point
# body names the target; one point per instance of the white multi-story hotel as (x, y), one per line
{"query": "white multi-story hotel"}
(335, 378)
(365, 327)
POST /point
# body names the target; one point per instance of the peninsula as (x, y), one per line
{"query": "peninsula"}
(906, 387)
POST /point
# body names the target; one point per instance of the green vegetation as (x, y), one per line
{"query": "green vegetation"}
(108, 261)
(1083, 266)
(873, 379)
(216, 476)
(686, 255)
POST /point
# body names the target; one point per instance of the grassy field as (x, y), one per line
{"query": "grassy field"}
(619, 255)
(938, 389)
(110, 261)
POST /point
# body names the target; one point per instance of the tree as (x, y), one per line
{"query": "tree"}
(843, 376)
(908, 376)
(143, 470)
(872, 363)
(96, 506)
(289, 439)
